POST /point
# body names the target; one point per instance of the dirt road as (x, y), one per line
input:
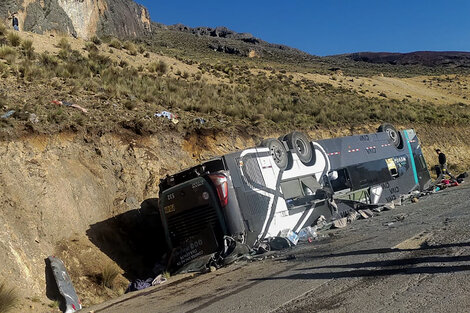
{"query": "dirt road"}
(414, 258)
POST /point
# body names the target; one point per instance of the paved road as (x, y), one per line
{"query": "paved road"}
(411, 259)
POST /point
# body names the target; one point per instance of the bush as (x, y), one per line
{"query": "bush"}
(159, 67)
(3, 29)
(90, 47)
(28, 49)
(116, 44)
(130, 47)
(8, 298)
(14, 39)
(6, 51)
(48, 60)
(108, 275)
(95, 40)
(4, 70)
(64, 44)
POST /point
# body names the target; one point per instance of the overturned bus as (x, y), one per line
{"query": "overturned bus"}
(286, 183)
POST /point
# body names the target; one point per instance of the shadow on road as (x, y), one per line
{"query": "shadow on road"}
(375, 273)
(399, 262)
(389, 250)
(134, 240)
(404, 266)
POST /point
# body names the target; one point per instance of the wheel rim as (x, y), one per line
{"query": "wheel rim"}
(392, 134)
(300, 146)
(276, 154)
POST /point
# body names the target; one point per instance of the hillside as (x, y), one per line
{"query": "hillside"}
(72, 182)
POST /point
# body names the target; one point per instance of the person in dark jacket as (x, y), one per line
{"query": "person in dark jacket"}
(443, 164)
(15, 23)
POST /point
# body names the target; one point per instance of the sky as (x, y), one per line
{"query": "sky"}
(331, 26)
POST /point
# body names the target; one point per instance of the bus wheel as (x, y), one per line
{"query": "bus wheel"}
(392, 133)
(278, 152)
(301, 145)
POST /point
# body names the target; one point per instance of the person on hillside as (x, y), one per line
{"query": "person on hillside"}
(443, 164)
(15, 23)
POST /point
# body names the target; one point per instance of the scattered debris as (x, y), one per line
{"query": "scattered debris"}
(308, 234)
(64, 284)
(172, 117)
(279, 243)
(70, 104)
(200, 120)
(159, 280)
(139, 284)
(8, 114)
(33, 118)
(352, 216)
(366, 213)
(289, 234)
(340, 223)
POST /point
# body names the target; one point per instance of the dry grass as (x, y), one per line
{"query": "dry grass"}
(115, 43)
(3, 29)
(108, 275)
(14, 39)
(8, 297)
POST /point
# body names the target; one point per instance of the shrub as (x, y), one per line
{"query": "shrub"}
(48, 60)
(108, 275)
(6, 51)
(4, 70)
(130, 47)
(8, 297)
(14, 39)
(28, 49)
(96, 40)
(64, 44)
(91, 47)
(3, 29)
(115, 43)
(159, 67)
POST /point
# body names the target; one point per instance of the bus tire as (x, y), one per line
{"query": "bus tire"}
(278, 152)
(392, 133)
(301, 145)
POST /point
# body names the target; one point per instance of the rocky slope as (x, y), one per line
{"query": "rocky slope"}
(82, 18)
(427, 58)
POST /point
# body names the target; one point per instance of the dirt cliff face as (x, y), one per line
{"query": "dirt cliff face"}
(82, 18)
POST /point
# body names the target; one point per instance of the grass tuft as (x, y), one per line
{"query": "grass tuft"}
(8, 297)
(108, 275)
(115, 43)
(14, 39)
(64, 44)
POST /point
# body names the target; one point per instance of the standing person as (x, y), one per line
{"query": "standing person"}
(15, 23)
(443, 164)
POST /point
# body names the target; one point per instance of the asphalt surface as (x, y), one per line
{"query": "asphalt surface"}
(413, 258)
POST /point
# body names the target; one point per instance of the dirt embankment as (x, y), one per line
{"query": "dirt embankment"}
(61, 194)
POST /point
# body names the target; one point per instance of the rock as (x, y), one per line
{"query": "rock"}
(120, 18)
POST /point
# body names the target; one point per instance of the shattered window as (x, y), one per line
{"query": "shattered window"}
(299, 191)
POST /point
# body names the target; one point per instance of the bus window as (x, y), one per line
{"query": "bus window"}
(342, 182)
(299, 191)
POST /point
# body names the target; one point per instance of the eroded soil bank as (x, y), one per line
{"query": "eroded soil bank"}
(67, 195)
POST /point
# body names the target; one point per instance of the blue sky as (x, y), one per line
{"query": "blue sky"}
(332, 26)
